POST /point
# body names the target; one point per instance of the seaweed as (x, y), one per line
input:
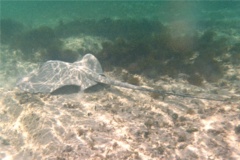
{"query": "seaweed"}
(235, 49)
(210, 46)
(160, 53)
(140, 46)
(67, 55)
(9, 29)
(45, 41)
(195, 79)
(42, 39)
(132, 79)
(235, 53)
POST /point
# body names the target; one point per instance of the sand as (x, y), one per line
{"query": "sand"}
(109, 122)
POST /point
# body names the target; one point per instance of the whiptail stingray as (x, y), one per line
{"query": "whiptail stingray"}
(84, 73)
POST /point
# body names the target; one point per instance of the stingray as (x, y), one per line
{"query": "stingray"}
(85, 73)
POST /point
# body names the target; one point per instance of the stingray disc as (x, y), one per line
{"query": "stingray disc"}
(55, 74)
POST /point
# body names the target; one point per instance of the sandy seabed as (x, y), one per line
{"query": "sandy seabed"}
(108, 122)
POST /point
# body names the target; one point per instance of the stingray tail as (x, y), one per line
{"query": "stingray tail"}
(134, 87)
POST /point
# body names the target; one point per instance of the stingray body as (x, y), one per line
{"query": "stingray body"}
(56, 74)
(84, 73)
